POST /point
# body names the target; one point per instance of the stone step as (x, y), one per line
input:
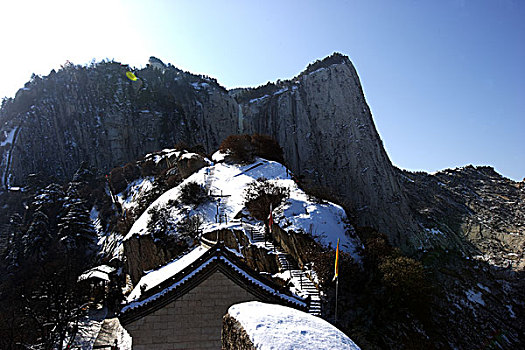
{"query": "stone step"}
(306, 282)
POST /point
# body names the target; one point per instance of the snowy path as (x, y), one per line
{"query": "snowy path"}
(300, 279)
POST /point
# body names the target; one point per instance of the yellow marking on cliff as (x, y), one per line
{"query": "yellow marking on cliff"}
(131, 76)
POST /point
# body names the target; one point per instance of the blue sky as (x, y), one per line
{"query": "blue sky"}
(445, 79)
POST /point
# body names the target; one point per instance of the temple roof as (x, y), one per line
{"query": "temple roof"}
(198, 269)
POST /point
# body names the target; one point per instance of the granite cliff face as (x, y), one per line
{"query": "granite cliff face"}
(320, 118)
(322, 121)
(96, 114)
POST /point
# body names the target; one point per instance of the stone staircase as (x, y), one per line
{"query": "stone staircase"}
(284, 261)
(257, 236)
(300, 278)
(306, 285)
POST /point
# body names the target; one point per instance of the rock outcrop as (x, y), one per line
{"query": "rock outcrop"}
(256, 258)
(474, 209)
(233, 336)
(325, 127)
(256, 325)
(144, 253)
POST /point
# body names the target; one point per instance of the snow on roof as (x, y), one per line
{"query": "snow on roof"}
(94, 275)
(271, 326)
(262, 285)
(227, 183)
(156, 277)
(134, 302)
(105, 268)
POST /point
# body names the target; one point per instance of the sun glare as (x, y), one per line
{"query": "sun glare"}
(57, 31)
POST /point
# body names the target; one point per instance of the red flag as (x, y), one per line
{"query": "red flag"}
(270, 219)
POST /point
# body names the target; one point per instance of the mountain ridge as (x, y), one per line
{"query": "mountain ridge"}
(320, 117)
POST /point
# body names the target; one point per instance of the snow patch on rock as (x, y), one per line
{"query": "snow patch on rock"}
(271, 326)
(475, 297)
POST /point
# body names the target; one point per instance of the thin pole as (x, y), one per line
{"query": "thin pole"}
(336, 290)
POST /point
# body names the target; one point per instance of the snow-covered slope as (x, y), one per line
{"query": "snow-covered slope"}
(129, 198)
(271, 326)
(227, 184)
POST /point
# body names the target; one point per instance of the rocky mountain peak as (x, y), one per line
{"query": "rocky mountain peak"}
(94, 114)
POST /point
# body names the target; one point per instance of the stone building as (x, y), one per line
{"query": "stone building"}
(185, 310)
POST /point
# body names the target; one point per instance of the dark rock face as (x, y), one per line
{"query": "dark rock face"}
(234, 337)
(96, 114)
(482, 305)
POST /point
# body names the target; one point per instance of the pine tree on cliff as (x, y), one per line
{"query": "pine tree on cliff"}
(37, 239)
(49, 201)
(15, 244)
(75, 228)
